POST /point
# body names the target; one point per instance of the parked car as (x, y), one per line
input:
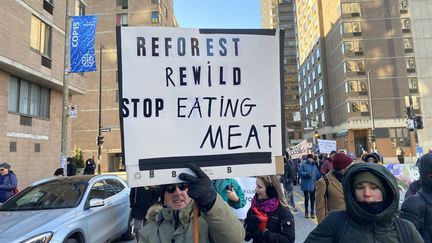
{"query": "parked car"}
(74, 209)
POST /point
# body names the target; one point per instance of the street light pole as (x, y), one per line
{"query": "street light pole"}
(65, 107)
(371, 111)
(99, 138)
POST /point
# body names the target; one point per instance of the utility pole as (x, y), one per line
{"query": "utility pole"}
(100, 137)
(65, 106)
(371, 112)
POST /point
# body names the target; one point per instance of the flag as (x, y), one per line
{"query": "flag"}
(82, 37)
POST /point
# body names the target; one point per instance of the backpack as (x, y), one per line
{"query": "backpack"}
(403, 231)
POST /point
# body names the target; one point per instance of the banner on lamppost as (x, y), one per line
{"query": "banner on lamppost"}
(82, 53)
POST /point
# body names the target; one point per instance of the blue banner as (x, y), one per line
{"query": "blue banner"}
(82, 53)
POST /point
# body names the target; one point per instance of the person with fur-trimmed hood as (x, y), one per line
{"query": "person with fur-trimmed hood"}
(172, 219)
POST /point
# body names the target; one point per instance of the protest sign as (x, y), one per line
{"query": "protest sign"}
(326, 146)
(212, 97)
(297, 151)
(404, 173)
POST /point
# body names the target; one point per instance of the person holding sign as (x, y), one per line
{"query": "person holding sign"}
(269, 218)
(172, 219)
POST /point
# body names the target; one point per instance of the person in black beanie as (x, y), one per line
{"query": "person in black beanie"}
(172, 219)
(418, 208)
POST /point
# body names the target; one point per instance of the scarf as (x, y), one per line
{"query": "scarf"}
(265, 205)
(373, 208)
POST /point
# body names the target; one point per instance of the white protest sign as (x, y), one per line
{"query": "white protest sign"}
(326, 146)
(248, 184)
(297, 151)
(208, 96)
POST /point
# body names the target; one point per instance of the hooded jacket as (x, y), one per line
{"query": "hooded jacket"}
(166, 225)
(361, 225)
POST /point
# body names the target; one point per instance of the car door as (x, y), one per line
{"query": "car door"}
(99, 221)
(118, 196)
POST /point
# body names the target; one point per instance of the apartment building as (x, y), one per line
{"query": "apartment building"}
(111, 13)
(31, 85)
(358, 73)
(277, 14)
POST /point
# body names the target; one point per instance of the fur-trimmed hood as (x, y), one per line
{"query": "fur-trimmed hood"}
(158, 213)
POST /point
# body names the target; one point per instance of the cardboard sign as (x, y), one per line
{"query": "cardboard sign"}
(326, 146)
(213, 97)
(297, 151)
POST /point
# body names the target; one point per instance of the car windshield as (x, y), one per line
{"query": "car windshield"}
(51, 195)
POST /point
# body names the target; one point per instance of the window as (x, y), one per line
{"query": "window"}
(155, 17)
(351, 27)
(413, 85)
(406, 25)
(12, 147)
(28, 98)
(352, 47)
(313, 75)
(121, 19)
(400, 137)
(317, 54)
(319, 68)
(408, 44)
(356, 86)
(358, 106)
(113, 187)
(320, 85)
(40, 37)
(37, 148)
(79, 8)
(48, 5)
(351, 9)
(403, 6)
(123, 4)
(322, 101)
(323, 117)
(354, 66)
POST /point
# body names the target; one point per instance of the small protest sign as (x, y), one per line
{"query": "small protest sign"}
(326, 146)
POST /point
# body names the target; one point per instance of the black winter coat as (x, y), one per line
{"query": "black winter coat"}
(141, 199)
(418, 210)
(280, 227)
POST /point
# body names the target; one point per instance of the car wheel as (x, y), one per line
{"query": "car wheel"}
(72, 240)
(129, 235)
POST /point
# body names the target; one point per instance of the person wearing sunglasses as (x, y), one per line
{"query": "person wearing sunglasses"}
(171, 220)
(8, 182)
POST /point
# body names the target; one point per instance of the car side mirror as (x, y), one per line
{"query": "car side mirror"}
(97, 202)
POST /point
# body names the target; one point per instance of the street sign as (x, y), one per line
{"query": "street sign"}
(73, 111)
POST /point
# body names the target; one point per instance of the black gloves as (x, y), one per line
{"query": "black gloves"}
(200, 187)
(252, 223)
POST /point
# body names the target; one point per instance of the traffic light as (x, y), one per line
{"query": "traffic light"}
(419, 122)
(316, 135)
(100, 140)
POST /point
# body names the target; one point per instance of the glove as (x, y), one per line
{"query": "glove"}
(200, 187)
(252, 223)
(260, 218)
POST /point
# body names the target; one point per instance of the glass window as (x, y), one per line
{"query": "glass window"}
(354, 66)
(359, 106)
(320, 84)
(410, 63)
(322, 117)
(40, 36)
(316, 104)
(413, 84)
(351, 27)
(155, 17)
(352, 46)
(122, 19)
(122, 3)
(356, 86)
(315, 90)
(403, 4)
(406, 24)
(322, 101)
(113, 187)
(28, 98)
(408, 43)
(400, 137)
(313, 75)
(351, 8)
(319, 68)
(154, 1)
(317, 54)
(79, 8)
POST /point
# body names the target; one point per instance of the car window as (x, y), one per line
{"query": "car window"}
(97, 191)
(113, 187)
(52, 195)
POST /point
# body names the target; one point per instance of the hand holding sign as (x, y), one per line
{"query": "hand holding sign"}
(200, 187)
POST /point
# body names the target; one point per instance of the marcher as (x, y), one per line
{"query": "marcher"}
(309, 175)
(400, 154)
(141, 199)
(172, 219)
(418, 208)
(287, 180)
(90, 166)
(329, 193)
(269, 218)
(414, 186)
(58, 172)
(371, 197)
(8, 182)
(231, 192)
(71, 168)
(327, 165)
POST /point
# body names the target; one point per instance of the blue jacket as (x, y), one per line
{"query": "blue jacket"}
(8, 183)
(220, 187)
(309, 175)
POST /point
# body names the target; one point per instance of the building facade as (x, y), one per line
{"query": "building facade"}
(111, 13)
(31, 85)
(358, 73)
(277, 14)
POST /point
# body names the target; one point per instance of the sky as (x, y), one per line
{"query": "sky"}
(228, 14)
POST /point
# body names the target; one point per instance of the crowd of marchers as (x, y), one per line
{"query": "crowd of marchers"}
(351, 200)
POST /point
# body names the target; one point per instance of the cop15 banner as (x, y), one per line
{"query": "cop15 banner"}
(82, 54)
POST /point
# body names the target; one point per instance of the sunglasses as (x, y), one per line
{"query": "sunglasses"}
(172, 187)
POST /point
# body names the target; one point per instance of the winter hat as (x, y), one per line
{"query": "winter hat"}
(5, 165)
(371, 156)
(426, 172)
(367, 176)
(341, 161)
